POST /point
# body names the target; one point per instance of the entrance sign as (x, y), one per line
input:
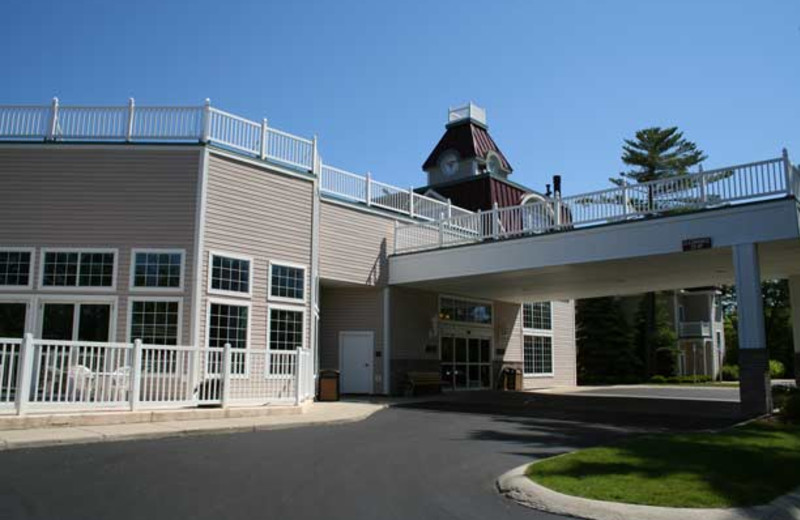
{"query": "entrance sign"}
(695, 244)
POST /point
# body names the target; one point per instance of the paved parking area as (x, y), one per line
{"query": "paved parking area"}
(703, 393)
(433, 459)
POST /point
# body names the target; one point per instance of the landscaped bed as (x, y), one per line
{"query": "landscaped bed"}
(744, 466)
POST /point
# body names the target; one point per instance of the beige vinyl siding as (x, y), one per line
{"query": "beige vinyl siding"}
(350, 309)
(413, 314)
(110, 196)
(508, 330)
(259, 213)
(564, 350)
(354, 244)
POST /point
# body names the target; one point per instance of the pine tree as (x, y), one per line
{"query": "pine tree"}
(606, 353)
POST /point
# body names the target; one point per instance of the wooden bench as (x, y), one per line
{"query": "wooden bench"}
(416, 381)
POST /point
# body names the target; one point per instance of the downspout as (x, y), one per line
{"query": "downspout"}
(316, 169)
(199, 257)
(387, 339)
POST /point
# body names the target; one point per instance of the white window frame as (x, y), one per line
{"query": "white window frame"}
(279, 263)
(132, 274)
(169, 299)
(78, 299)
(235, 256)
(237, 303)
(31, 269)
(30, 308)
(72, 288)
(463, 299)
(542, 333)
(304, 342)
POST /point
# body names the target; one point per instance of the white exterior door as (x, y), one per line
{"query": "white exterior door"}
(356, 352)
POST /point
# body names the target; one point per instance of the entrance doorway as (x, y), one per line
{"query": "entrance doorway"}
(466, 358)
(356, 351)
(74, 321)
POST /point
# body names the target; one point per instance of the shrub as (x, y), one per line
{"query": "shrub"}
(658, 380)
(781, 393)
(730, 373)
(790, 409)
(776, 369)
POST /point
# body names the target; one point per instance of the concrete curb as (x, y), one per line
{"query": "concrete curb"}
(517, 486)
(24, 439)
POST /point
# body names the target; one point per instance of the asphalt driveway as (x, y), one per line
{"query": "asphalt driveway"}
(437, 459)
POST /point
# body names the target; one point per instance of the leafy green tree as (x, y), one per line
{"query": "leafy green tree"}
(606, 353)
(656, 340)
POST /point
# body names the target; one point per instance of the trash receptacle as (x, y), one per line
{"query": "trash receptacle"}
(328, 385)
(512, 379)
(518, 379)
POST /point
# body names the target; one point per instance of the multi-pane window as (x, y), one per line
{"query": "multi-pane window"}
(229, 274)
(452, 309)
(157, 269)
(228, 323)
(155, 322)
(537, 316)
(287, 282)
(285, 329)
(538, 355)
(78, 269)
(15, 268)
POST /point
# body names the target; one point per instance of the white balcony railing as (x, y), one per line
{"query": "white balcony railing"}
(51, 376)
(758, 181)
(694, 329)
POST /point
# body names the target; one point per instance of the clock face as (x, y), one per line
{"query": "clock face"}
(448, 163)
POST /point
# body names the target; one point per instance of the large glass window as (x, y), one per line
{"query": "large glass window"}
(452, 309)
(155, 322)
(285, 329)
(15, 268)
(538, 355)
(228, 324)
(12, 319)
(287, 282)
(229, 274)
(537, 316)
(78, 269)
(157, 269)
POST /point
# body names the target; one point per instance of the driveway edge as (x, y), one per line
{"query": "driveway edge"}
(517, 486)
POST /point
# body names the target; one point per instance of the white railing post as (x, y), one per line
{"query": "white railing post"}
(449, 208)
(557, 210)
(206, 132)
(264, 135)
(625, 198)
(395, 237)
(226, 374)
(24, 373)
(136, 374)
(368, 189)
(480, 231)
(411, 201)
(129, 127)
(297, 376)
(703, 186)
(441, 230)
(314, 155)
(52, 128)
(495, 221)
(787, 169)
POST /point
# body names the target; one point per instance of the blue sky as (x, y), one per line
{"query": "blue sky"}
(564, 82)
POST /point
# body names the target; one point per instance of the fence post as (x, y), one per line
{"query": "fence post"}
(52, 128)
(24, 373)
(787, 168)
(625, 198)
(129, 128)
(703, 186)
(264, 130)
(449, 208)
(206, 132)
(411, 201)
(226, 374)
(136, 373)
(368, 189)
(395, 237)
(557, 210)
(297, 374)
(441, 230)
(480, 226)
(314, 155)
(495, 221)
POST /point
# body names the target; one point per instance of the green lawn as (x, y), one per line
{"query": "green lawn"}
(744, 466)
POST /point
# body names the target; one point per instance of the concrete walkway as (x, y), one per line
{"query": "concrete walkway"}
(314, 415)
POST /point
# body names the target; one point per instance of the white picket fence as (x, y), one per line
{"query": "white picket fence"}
(746, 183)
(50, 376)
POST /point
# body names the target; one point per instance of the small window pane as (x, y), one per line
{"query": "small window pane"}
(15, 267)
(157, 270)
(537, 316)
(287, 282)
(285, 329)
(96, 270)
(230, 274)
(12, 319)
(60, 269)
(465, 311)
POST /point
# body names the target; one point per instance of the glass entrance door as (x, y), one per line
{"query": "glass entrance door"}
(466, 361)
(76, 321)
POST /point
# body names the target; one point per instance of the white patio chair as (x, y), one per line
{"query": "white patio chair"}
(80, 381)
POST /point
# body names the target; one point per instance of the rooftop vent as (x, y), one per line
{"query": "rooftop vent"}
(468, 111)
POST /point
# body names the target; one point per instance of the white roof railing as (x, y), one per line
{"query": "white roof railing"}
(753, 182)
(207, 124)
